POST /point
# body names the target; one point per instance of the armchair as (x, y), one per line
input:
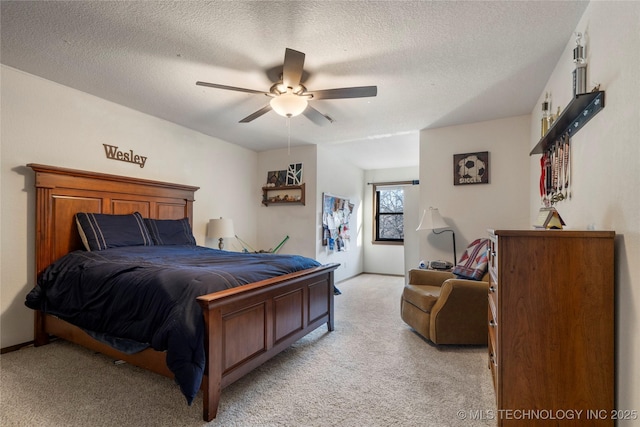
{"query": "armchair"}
(445, 308)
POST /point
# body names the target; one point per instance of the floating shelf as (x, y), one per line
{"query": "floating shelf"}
(579, 111)
(284, 195)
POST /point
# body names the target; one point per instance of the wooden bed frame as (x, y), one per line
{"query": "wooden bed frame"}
(244, 326)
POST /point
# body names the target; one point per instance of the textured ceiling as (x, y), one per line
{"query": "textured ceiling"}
(435, 63)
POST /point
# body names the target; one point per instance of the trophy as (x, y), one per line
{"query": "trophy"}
(580, 73)
(546, 115)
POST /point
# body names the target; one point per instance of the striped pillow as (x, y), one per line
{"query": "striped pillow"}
(170, 231)
(474, 262)
(104, 231)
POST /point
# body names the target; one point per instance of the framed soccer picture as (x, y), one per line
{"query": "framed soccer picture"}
(471, 168)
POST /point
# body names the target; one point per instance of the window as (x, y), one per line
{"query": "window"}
(388, 211)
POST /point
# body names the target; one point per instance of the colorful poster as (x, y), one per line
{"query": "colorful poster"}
(336, 215)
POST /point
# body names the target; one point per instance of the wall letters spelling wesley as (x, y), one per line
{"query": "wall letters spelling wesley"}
(113, 153)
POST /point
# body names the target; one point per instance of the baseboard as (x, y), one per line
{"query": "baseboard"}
(15, 347)
(364, 272)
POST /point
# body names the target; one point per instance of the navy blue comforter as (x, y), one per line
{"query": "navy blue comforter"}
(147, 294)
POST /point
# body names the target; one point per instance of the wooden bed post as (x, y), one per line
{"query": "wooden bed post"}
(40, 337)
(44, 252)
(212, 379)
(330, 327)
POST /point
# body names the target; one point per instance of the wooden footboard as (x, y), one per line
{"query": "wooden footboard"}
(244, 327)
(247, 326)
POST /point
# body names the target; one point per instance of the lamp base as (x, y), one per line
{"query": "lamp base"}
(220, 244)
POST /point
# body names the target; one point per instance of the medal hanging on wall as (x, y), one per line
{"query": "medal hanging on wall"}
(559, 177)
(549, 172)
(543, 179)
(555, 172)
(566, 163)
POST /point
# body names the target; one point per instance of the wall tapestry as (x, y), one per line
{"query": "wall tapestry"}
(336, 214)
(471, 168)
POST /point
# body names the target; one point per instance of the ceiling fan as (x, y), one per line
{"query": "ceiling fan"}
(290, 98)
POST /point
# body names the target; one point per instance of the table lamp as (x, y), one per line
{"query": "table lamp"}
(432, 220)
(219, 229)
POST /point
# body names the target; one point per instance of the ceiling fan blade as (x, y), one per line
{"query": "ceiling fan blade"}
(292, 68)
(257, 114)
(316, 116)
(345, 92)
(237, 89)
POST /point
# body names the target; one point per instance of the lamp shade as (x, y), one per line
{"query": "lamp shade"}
(220, 228)
(288, 104)
(431, 220)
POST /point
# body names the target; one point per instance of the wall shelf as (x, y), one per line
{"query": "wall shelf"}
(284, 195)
(579, 111)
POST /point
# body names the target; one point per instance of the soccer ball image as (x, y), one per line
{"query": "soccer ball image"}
(471, 169)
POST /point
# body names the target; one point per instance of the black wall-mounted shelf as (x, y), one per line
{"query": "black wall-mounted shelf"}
(579, 111)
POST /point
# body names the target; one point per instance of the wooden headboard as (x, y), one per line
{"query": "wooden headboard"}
(61, 193)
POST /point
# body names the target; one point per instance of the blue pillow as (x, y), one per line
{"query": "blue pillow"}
(170, 231)
(104, 231)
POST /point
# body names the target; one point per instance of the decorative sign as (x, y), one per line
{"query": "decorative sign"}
(113, 153)
(471, 168)
(294, 174)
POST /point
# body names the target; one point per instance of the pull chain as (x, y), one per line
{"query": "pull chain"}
(288, 136)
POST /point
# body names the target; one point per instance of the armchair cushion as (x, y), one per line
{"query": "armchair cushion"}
(474, 262)
(422, 296)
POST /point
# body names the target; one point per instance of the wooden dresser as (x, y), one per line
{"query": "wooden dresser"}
(551, 327)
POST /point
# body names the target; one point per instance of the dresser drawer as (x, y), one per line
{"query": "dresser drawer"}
(493, 257)
(493, 362)
(493, 299)
(493, 334)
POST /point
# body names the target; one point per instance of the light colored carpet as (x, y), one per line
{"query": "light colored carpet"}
(373, 370)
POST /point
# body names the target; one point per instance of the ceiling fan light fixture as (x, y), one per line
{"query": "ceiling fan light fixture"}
(289, 97)
(279, 88)
(288, 104)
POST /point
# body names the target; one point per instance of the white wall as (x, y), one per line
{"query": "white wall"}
(471, 209)
(411, 222)
(340, 178)
(606, 166)
(44, 122)
(275, 222)
(383, 259)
